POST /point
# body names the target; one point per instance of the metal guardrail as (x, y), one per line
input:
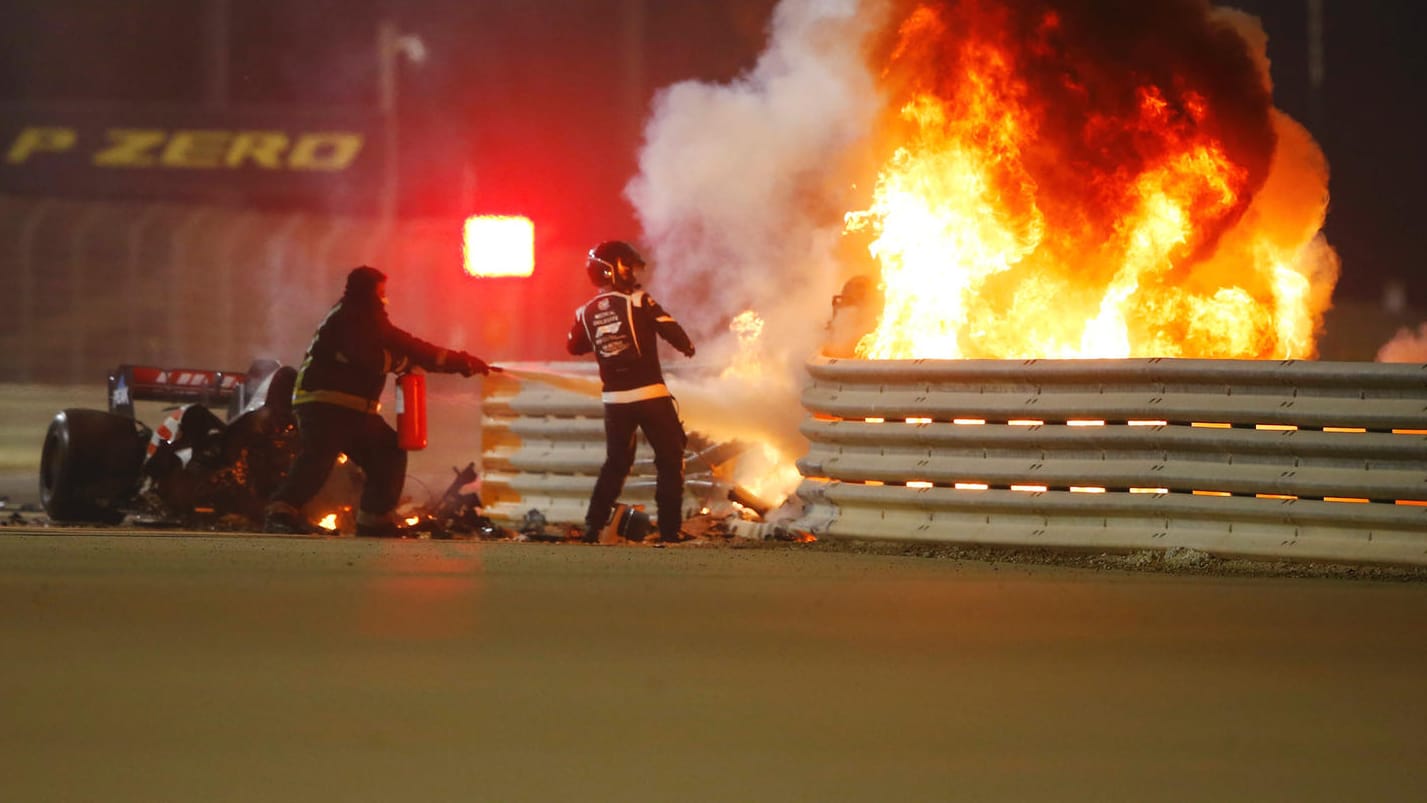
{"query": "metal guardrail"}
(1300, 460)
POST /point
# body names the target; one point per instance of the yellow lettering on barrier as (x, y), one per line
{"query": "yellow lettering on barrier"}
(196, 148)
(39, 139)
(332, 150)
(262, 148)
(130, 147)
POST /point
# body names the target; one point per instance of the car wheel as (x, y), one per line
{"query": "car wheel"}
(90, 465)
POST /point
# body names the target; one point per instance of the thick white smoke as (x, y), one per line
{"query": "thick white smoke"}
(741, 191)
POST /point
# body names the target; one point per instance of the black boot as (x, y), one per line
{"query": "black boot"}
(591, 535)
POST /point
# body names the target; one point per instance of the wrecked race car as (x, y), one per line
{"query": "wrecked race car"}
(200, 470)
(195, 469)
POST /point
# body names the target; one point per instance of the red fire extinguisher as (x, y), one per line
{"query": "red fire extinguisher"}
(411, 411)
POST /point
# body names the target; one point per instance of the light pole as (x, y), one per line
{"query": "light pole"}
(392, 44)
(1317, 72)
(216, 91)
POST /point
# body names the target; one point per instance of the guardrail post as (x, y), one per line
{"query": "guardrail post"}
(33, 220)
(76, 333)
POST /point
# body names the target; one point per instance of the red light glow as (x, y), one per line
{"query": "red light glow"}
(497, 245)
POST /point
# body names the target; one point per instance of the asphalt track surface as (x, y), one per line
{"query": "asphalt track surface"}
(219, 667)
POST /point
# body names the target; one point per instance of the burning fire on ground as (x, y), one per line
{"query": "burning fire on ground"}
(1043, 179)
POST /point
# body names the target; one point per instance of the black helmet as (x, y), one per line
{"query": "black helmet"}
(604, 262)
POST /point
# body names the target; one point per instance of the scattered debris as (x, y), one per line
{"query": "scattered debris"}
(459, 510)
(535, 527)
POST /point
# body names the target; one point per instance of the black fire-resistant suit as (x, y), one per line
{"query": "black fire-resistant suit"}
(336, 404)
(620, 328)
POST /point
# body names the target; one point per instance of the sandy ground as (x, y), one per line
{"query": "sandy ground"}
(174, 666)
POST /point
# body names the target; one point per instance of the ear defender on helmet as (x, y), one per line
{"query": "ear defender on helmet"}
(601, 273)
(612, 263)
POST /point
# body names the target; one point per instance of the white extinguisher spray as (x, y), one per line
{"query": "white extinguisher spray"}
(411, 410)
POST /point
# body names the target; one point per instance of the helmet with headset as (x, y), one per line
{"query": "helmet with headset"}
(612, 264)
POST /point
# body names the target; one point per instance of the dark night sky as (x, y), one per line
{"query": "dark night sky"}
(1371, 123)
(542, 101)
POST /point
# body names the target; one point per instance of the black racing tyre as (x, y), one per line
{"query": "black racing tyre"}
(89, 468)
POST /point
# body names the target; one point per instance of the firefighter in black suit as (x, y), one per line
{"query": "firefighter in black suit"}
(336, 405)
(620, 325)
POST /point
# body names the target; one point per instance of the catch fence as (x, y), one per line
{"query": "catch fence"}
(90, 285)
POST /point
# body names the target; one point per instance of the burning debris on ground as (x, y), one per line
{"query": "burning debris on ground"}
(726, 510)
(456, 513)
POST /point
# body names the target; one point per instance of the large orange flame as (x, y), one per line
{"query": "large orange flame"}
(1042, 199)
